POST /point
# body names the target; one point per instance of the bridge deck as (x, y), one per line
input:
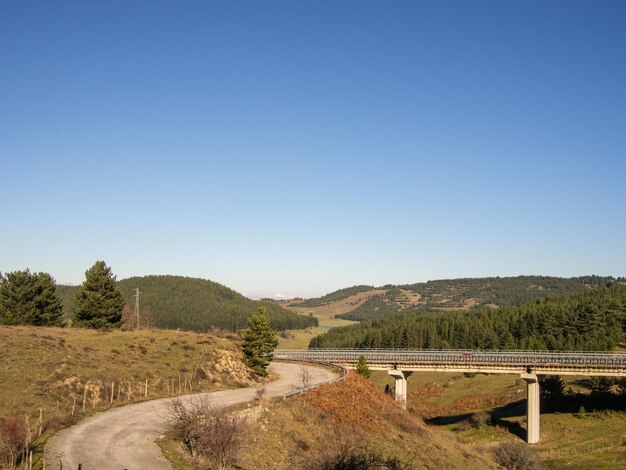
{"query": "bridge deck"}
(455, 360)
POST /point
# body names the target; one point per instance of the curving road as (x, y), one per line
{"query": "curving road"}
(124, 438)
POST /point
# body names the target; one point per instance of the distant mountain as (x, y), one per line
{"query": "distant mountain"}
(366, 302)
(195, 304)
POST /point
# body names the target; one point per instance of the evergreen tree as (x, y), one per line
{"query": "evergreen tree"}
(552, 387)
(31, 299)
(259, 342)
(362, 367)
(601, 385)
(99, 302)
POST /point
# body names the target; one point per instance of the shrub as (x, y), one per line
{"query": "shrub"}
(259, 393)
(348, 457)
(517, 456)
(208, 431)
(479, 419)
(13, 437)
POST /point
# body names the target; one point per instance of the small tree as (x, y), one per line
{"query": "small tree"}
(601, 385)
(553, 387)
(362, 367)
(259, 342)
(31, 299)
(99, 302)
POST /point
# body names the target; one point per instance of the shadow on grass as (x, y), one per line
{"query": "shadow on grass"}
(501, 416)
(495, 417)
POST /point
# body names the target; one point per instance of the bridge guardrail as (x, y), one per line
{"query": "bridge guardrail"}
(547, 360)
(343, 370)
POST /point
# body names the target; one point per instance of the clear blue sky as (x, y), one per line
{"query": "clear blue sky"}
(299, 147)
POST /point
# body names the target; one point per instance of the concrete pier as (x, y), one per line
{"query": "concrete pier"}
(532, 408)
(401, 385)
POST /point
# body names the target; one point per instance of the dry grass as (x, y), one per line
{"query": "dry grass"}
(597, 440)
(291, 434)
(55, 368)
(331, 309)
(299, 339)
(432, 394)
(356, 402)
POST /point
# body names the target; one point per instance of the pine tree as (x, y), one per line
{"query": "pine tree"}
(259, 342)
(553, 387)
(362, 367)
(31, 299)
(99, 302)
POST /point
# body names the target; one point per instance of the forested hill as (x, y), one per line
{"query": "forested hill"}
(452, 294)
(593, 320)
(195, 304)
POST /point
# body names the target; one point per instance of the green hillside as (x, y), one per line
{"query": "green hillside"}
(592, 320)
(454, 294)
(195, 304)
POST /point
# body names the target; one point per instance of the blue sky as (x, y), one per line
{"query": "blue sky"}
(294, 148)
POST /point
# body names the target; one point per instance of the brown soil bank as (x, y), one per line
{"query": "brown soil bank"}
(350, 416)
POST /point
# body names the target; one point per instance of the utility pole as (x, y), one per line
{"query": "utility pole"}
(137, 305)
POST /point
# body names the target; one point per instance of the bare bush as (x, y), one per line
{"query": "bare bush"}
(208, 431)
(129, 318)
(305, 375)
(221, 333)
(286, 334)
(13, 437)
(517, 456)
(350, 457)
(259, 393)
(479, 419)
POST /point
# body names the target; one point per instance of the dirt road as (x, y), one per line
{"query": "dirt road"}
(124, 438)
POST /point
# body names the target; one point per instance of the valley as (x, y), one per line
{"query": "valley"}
(458, 420)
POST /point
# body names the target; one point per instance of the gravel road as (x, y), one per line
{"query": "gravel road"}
(124, 438)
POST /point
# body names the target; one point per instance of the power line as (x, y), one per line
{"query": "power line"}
(136, 296)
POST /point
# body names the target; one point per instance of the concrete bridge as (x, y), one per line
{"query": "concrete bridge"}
(401, 363)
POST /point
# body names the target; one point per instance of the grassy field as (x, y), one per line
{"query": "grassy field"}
(328, 311)
(594, 439)
(54, 376)
(299, 339)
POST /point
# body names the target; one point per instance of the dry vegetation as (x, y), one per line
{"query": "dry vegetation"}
(50, 377)
(331, 309)
(349, 419)
(485, 411)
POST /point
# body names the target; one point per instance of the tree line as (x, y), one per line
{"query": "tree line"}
(174, 302)
(592, 320)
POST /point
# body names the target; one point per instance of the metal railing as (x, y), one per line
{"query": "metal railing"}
(343, 371)
(440, 359)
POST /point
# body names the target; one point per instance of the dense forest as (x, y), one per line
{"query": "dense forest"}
(194, 304)
(451, 294)
(592, 320)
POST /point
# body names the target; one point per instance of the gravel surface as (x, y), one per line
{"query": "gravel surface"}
(124, 438)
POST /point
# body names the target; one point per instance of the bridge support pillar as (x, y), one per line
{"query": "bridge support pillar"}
(401, 385)
(532, 408)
